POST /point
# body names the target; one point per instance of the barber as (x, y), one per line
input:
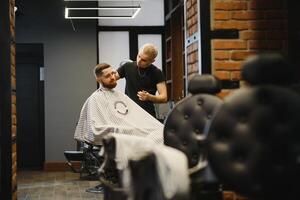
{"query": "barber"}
(143, 79)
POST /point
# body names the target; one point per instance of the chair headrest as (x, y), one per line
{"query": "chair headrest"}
(204, 83)
(184, 125)
(269, 68)
(254, 142)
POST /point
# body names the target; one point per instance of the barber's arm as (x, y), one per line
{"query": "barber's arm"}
(117, 75)
(161, 97)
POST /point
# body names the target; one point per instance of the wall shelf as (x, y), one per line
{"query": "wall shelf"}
(174, 42)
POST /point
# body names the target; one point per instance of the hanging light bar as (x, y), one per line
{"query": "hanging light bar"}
(136, 8)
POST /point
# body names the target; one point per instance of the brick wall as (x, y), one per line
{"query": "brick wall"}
(13, 100)
(262, 26)
(191, 29)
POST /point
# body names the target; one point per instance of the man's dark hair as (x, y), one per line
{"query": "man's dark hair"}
(99, 68)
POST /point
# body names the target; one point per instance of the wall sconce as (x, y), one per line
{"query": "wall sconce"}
(136, 10)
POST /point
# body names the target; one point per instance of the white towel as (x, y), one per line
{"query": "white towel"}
(108, 111)
(172, 164)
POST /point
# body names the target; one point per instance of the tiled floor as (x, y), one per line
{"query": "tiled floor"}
(39, 185)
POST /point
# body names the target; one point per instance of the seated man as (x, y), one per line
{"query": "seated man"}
(108, 111)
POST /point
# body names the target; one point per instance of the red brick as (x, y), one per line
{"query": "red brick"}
(14, 130)
(193, 29)
(13, 109)
(13, 83)
(188, 4)
(191, 21)
(191, 12)
(192, 58)
(249, 15)
(191, 75)
(229, 44)
(222, 75)
(13, 49)
(248, 35)
(13, 60)
(14, 119)
(240, 25)
(13, 70)
(221, 55)
(235, 75)
(194, 2)
(230, 6)
(13, 99)
(228, 195)
(193, 47)
(192, 68)
(221, 15)
(194, 19)
(230, 66)
(241, 55)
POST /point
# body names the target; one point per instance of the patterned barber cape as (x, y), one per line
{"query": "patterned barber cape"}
(108, 111)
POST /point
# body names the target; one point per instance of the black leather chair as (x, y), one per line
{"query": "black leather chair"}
(184, 130)
(254, 143)
(145, 175)
(110, 176)
(269, 68)
(149, 188)
(88, 155)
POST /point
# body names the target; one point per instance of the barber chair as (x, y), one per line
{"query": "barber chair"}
(161, 174)
(254, 143)
(88, 155)
(146, 172)
(184, 130)
(149, 188)
(110, 177)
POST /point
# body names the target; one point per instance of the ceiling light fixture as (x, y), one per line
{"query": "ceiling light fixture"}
(135, 8)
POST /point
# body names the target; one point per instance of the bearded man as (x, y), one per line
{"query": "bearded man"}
(108, 111)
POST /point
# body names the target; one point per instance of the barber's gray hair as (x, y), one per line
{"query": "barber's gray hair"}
(98, 70)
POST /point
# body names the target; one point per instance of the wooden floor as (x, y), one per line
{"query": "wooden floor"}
(39, 185)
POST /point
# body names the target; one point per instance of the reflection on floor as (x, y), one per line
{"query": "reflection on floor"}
(39, 185)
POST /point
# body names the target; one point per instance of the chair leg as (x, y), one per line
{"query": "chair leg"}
(97, 189)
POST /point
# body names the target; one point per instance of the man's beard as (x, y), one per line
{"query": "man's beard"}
(109, 85)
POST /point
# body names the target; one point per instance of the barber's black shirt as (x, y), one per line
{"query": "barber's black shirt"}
(138, 79)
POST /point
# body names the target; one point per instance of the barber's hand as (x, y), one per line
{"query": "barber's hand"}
(143, 95)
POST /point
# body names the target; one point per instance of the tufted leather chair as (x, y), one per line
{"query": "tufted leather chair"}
(256, 70)
(254, 142)
(185, 123)
(184, 126)
(110, 176)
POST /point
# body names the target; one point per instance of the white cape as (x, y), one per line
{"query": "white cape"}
(108, 111)
(171, 164)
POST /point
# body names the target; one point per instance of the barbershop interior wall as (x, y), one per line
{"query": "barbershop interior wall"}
(69, 58)
(151, 14)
